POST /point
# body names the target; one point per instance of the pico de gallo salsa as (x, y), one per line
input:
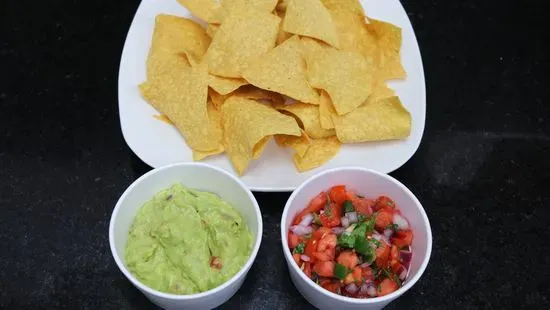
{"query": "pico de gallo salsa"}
(352, 245)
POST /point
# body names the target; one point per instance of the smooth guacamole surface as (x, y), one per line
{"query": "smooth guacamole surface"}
(176, 234)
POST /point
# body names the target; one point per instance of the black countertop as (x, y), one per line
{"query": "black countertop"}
(482, 170)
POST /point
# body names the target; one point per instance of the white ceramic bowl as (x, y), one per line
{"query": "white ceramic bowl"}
(370, 184)
(197, 176)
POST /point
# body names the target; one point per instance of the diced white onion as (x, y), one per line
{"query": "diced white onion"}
(304, 257)
(337, 230)
(371, 290)
(400, 221)
(388, 233)
(403, 274)
(345, 222)
(306, 220)
(301, 230)
(352, 288)
(352, 216)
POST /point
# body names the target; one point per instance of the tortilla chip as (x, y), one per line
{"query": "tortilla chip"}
(298, 144)
(281, 35)
(242, 38)
(184, 87)
(214, 116)
(308, 116)
(384, 119)
(319, 152)
(216, 98)
(223, 85)
(353, 6)
(259, 5)
(211, 30)
(388, 40)
(260, 147)
(381, 90)
(245, 123)
(283, 70)
(326, 110)
(345, 76)
(352, 32)
(174, 36)
(252, 92)
(281, 6)
(206, 10)
(310, 18)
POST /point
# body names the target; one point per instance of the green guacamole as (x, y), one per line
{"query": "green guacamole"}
(176, 236)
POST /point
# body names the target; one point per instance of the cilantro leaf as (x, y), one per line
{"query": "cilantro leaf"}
(370, 223)
(299, 249)
(393, 227)
(316, 219)
(340, 271)
(360, 217)
(346, 240)
(348, 206)
(376, 242)
(364, 247)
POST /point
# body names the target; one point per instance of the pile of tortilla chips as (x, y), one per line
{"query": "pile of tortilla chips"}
(311, 74)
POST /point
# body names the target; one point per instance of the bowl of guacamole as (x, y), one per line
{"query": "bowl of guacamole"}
(186, 235)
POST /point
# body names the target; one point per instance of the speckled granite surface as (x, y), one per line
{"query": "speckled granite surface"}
(482, 170)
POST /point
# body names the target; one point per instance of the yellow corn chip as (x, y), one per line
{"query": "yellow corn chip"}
(252, 92)
(388, 39)
(214, 116)
(242, 38)
(211, 29)
(206, 10)
(174, 36)
(308, 116)
(238, 5)
(184, 87)
(298, 144)
(283, 70)
(384, 119)
(245, 123)
(326, 110)
(260, 147)
(216, 98)
(344, 5)
(281, 6)
(345, 76)
(381, 90)
(319, 152)
(282, 35)
(224, 85)
(310, 18)
(352, 32)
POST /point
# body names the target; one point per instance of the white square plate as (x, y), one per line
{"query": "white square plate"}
(158, 143)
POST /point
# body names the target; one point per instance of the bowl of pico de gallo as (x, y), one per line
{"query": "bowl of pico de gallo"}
(354, 238)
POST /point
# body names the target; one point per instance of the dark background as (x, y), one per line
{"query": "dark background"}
(482, 170)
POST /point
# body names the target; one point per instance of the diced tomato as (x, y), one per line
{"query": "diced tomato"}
(324, 269)
(315, 205)
(383, 202)
(307, 269)
(363, 205)
(394, 255)
(331, 286)
(354, 276)
(367, 273)
(319, 233)
(396, 266)
(386, 287)
(326, 247)
(402, 238)
(331, 216)
(293, 240)
(351, 195)
(348, 258)
(338, 194)
(311, 248)
(215, 262)
(296, 257)
(383, 219)
(382, 254)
